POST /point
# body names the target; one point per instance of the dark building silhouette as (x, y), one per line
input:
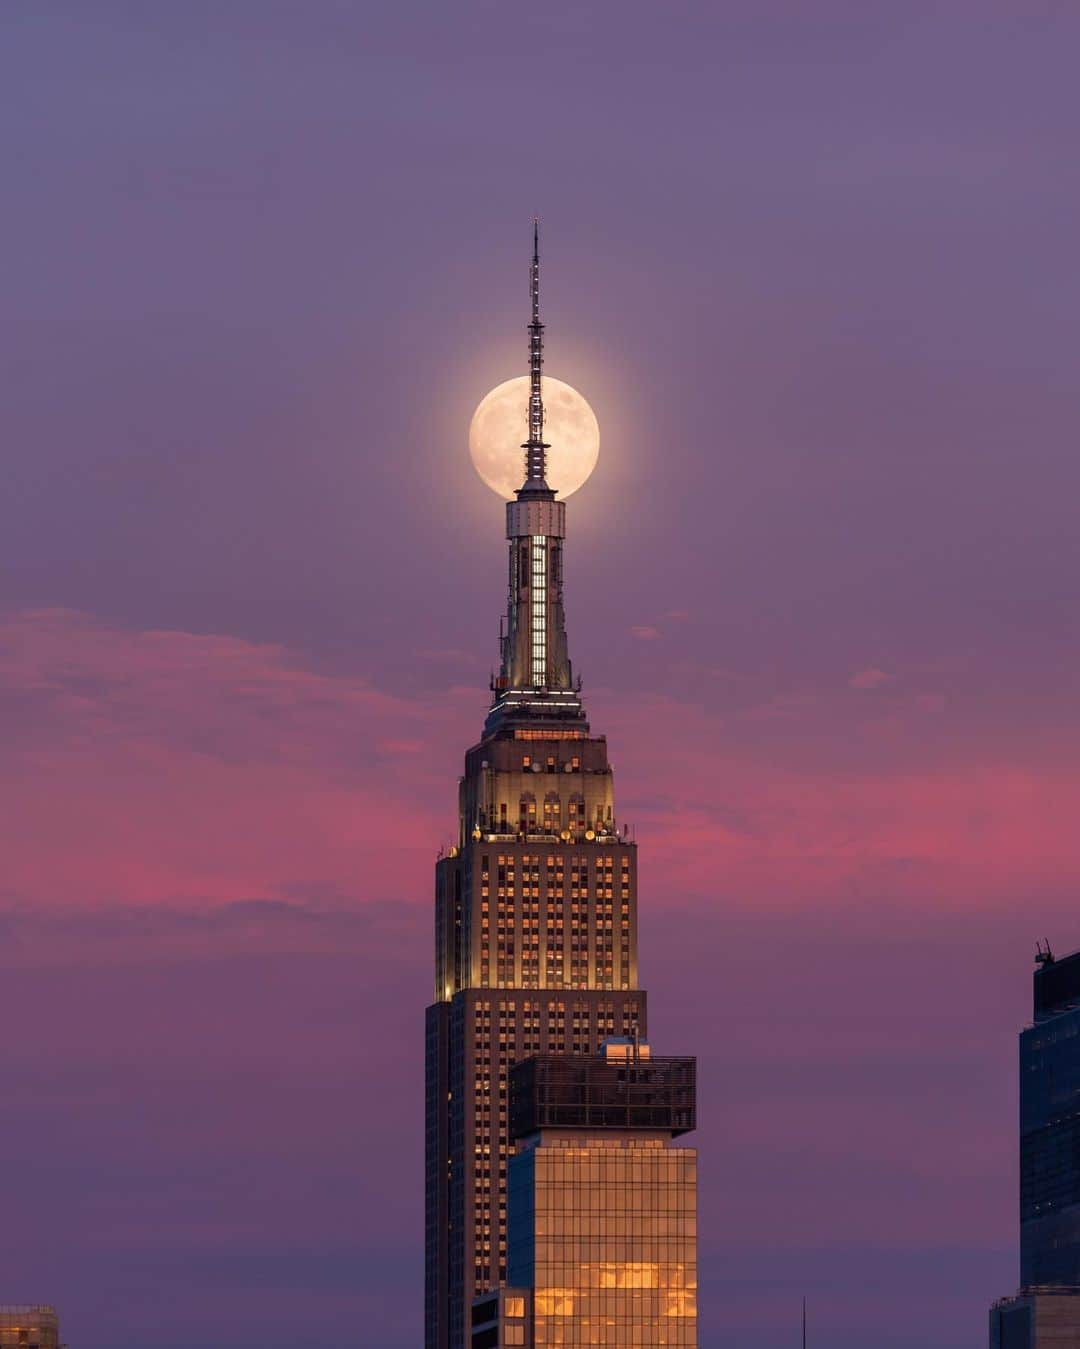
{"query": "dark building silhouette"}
(535, 906)
(1050, 1128)
(1046, 1312)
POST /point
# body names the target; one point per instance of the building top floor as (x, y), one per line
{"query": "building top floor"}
(1056, 986)
(603, 1092)
(539, 750)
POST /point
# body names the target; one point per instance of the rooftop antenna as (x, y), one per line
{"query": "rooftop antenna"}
(535, 446)
(804, 1322)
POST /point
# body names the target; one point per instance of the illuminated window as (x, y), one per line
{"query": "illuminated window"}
(538, 610)
(549, 735)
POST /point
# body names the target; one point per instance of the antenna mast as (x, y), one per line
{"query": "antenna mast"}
(535, 446)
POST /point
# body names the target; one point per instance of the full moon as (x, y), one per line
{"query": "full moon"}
(500, 424)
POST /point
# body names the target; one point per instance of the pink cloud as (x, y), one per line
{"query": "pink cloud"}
(826, 811)
(644, 632)
(166, 767)
(206, 799)
(182, 770)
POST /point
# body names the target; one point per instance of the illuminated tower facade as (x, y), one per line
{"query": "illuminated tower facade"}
(535, 905)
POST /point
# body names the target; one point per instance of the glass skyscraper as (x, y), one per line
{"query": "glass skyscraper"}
(604, 1236)
(602, 1207)
(1045, 1314)
(535, 905)
(1050, 1128)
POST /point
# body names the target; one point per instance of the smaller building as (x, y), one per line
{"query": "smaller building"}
(28, 1326)
(602, 1207)
(1042, 1318)
(502, 1317)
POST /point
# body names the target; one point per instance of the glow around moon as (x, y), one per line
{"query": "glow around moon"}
(500, 424)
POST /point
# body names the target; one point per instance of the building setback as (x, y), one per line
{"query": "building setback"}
(535, 906)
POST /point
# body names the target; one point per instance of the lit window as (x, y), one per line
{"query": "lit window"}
(538, 616)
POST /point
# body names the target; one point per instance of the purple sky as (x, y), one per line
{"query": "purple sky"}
(815, 266)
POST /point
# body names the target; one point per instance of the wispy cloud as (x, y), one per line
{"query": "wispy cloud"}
(180, 770)
(871, 678)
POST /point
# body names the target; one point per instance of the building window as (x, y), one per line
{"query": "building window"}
(514, 1307)
(538, 606)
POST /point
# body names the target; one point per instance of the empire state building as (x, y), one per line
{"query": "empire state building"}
(535, 930)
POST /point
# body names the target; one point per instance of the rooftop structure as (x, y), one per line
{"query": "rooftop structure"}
(1055, 984)
(1038, 1319)
(610, 1090)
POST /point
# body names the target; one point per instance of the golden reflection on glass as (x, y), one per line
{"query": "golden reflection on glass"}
(612, 1246)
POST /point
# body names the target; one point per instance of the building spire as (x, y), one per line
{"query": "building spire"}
(535, 660)
(535, 447)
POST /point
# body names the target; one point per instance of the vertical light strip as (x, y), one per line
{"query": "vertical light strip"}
(538, 617)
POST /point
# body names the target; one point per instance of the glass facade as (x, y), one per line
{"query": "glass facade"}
(624, 1087)
(1050, 1130)
(603, 1230)
(1045, 1314)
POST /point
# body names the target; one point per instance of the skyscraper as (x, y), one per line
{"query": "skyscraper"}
(602, 1239)
(1046, 1311)
(535, 905)
(1050, 1128)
